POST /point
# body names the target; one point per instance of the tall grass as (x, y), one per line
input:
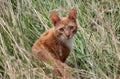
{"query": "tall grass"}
(96, 53)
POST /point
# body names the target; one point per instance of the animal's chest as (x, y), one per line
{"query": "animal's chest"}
(68, 43)
(60, 50)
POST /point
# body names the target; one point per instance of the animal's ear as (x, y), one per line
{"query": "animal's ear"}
(55, 18)
(72, 14)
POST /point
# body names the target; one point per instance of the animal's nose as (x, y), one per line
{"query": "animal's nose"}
(68, 35)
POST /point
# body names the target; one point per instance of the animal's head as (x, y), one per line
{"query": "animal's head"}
(64, 27)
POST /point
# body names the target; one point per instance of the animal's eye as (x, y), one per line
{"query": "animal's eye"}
(71, 27)
(61, 29)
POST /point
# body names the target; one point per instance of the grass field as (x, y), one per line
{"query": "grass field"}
(96, 53)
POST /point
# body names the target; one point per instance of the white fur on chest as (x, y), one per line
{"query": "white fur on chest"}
(68, 43)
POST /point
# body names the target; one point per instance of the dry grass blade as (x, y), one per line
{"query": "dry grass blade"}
(96, 44)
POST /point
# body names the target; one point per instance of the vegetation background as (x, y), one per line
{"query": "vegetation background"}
(96, 53)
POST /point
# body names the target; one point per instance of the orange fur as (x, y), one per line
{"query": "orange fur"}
(52, 44)
(49, 41)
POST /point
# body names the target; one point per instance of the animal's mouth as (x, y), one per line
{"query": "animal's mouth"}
(68, 37)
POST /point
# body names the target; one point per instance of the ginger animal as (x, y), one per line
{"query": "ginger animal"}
(56, 43)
